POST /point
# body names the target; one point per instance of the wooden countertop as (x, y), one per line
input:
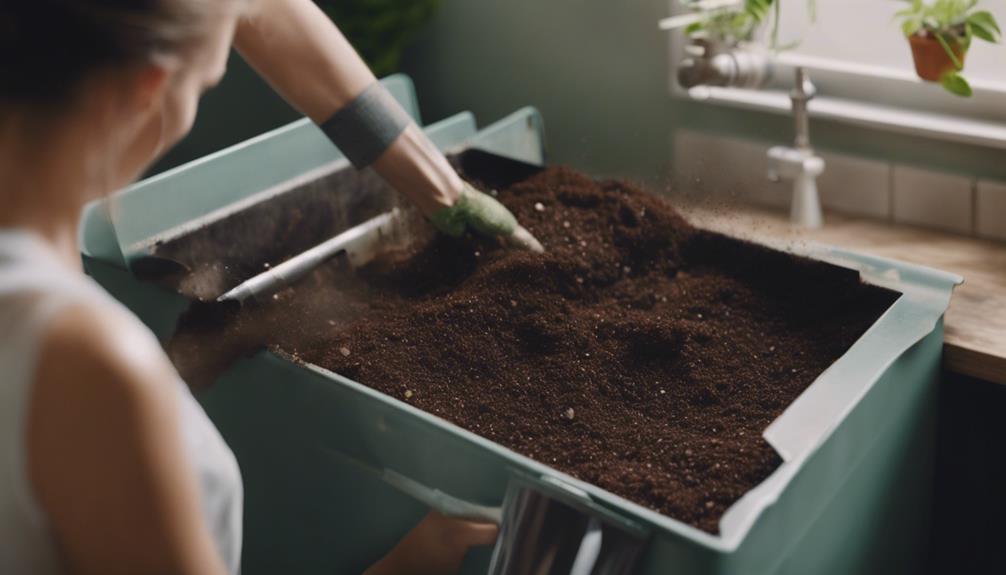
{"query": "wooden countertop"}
(975, 343)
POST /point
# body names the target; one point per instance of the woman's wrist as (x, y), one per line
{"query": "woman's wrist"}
(418, 170)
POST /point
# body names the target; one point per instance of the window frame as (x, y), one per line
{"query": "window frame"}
(875, 96)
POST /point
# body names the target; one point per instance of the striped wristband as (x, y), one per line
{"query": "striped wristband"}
(364, 128)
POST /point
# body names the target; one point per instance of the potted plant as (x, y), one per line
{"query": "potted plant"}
(728, 24)
(940, 33)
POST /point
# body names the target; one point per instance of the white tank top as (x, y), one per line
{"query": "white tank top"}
(33, 286)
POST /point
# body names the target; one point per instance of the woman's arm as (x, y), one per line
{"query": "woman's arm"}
(106, 459)
(294, 45)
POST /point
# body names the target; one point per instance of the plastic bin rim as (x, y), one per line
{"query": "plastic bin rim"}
(921, 288)
(925, 287)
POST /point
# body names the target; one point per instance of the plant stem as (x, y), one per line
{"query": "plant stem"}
(777, 8)
(946, 48)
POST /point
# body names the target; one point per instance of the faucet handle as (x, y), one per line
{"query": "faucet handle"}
(790, 163)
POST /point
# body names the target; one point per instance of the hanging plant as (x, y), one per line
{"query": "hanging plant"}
(940, 33)
(735, 22)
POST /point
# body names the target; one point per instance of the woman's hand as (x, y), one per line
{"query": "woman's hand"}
(307, 59)
(483, 214)
(475, 210)
(436, 546)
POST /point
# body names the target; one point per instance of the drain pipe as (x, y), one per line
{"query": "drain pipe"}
(799, 163)
(711, 63)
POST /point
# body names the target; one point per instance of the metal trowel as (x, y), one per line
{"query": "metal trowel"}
(547, 526)
(361, 244)
(396, 229)
(392, 230)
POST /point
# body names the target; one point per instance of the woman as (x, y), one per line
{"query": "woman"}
(107, 463)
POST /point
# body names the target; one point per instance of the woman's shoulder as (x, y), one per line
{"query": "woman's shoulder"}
(104, 449)
(101, 347)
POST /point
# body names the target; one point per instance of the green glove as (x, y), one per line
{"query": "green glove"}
(483, 214)
(477, 210)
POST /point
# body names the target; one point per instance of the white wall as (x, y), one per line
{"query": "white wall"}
(597, 69)
(866, 32)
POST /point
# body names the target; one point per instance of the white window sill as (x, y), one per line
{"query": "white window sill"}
(939, 126)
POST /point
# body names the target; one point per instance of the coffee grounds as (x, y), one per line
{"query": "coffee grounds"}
(639, 354)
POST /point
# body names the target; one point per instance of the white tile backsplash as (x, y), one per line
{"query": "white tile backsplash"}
(855, 186)
(725, 166)
(695, 161)
(991, 210)
(933, 199)
(749, 162)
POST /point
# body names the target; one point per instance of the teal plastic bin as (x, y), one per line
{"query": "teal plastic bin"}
(851, 496)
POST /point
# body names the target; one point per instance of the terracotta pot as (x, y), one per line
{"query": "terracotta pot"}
(931, 60)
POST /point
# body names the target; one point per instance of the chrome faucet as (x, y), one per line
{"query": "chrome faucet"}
(799, 163)
(711, 63)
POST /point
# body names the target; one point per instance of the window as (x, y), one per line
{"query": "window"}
(864, 32)
(862, 67)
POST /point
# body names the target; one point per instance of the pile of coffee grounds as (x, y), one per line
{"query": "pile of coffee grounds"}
(638, 353)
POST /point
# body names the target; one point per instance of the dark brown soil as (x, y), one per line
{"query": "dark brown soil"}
(639, 354)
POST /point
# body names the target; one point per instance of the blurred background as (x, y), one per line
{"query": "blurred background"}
(602, 73)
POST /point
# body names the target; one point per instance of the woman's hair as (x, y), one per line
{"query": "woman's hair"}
(49, 47)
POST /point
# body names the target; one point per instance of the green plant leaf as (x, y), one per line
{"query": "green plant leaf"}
(758, 9)
(911, 27)
(776, 24)
(983, 25)
(983, 33)
(740, 24)
(956, 84)
(986, 19)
